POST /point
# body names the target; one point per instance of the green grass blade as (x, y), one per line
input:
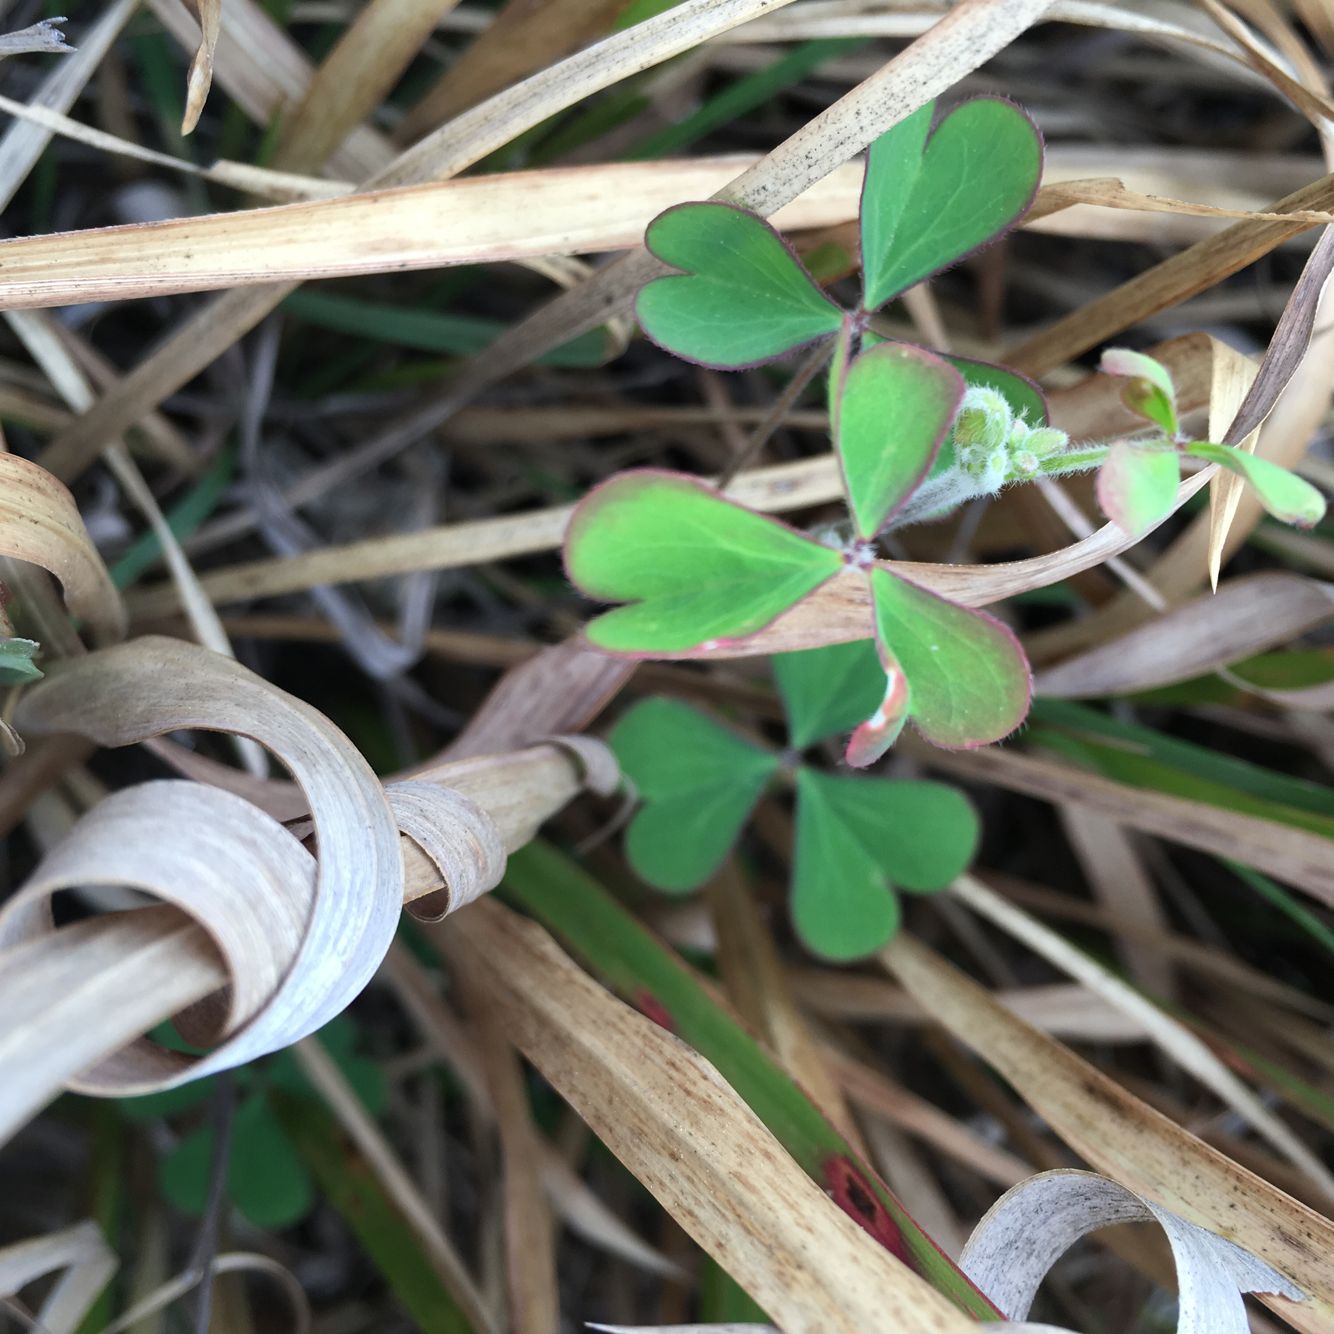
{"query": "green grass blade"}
(350, 1186)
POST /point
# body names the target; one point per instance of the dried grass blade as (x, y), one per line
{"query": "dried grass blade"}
(355, 77)
(1172, 1037)
(82, 1252)
(200, 78)
(1126, 1139)
(1247, 616)
(40, 523)
(707, 1158)
(1295, 856)
(510, 216)
(23, 143)
(1166, 284)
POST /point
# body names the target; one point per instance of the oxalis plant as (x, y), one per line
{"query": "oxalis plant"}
(858, 838)
(916, 435)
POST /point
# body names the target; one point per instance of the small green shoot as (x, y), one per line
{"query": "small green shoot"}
(1137, 485)
(857, 838)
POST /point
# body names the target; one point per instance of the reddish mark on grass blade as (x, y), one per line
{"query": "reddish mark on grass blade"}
(647, 1003)
(853, 1194)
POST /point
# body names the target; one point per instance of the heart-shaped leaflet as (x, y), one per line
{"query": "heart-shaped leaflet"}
(742, 298)
(694, 567)
(930, 199)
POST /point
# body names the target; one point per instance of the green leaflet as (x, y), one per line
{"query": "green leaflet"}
(858, 838)
(828, 690)
(928, 201)
(1137, 485)
(1285, 495)
(895, 407)
(743, 297)
(16, 664)
(265, 1178)
(969, 678)
(1150, 392)
(698, 782)
(694, 566)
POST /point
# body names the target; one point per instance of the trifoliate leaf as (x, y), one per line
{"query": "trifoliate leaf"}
(969, 680)
(857, 838)
(743, 296)
(694, 566)
(698, 782)
(896, 407)
(929, 201)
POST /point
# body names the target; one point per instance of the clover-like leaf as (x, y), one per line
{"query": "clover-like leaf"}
(1150, 392)
(969, 680)
(743, 297)
(16, 664)
(695, 566)
(857, 839)
(895, 409)
(698, 782)
(1137, 484)
(1285, 495)
(930, 199)
(265, 1178)
(828, 690)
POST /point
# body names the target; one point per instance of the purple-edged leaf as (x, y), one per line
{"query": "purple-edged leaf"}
(1285, 495)
(970, 682)
(698, 781)
(1150, 392)
(828, 690)
(694, 566)
(929, 201)
(743, 296)
(859, 838)
(895, 409)
(1137, 485)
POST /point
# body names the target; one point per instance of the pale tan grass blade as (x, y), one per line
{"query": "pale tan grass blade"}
(1115, 871)
(517, 42)
(361, 1129)
(200, 77)
(1245, 617)
(752, 973)
(40, 523)
(355, 77)
(579, 1207)
(511, 216)
(86, 1260)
